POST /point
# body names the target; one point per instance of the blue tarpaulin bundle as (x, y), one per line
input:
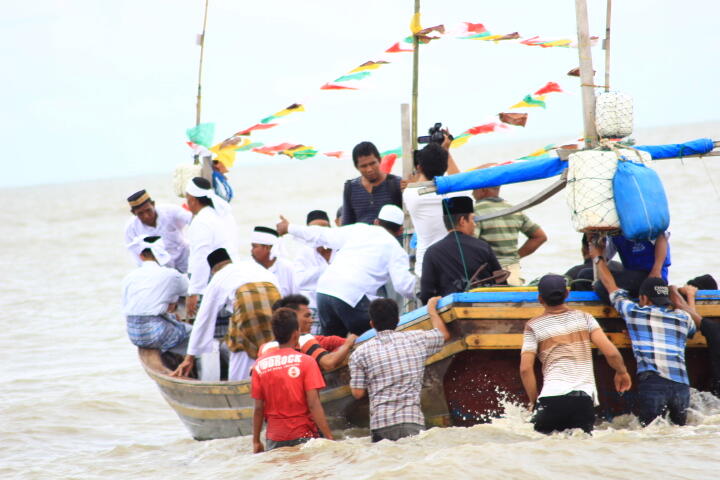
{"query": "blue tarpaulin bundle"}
(549, 167)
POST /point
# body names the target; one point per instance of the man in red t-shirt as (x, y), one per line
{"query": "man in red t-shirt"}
(285, 386)
(328, 351)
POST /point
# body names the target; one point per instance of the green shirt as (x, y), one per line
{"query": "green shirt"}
(502, 232)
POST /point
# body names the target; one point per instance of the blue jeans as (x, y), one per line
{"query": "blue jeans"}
(657, 395)
(339, 318)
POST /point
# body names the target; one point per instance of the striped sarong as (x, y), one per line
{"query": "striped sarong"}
(250, 323)
(162, 332)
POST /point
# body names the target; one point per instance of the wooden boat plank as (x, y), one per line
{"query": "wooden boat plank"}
(514, 341)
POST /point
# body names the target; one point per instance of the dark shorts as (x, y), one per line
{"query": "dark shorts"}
(562, 412)
(272, 444)
(339, 318)
(396, 432)
(657, 396)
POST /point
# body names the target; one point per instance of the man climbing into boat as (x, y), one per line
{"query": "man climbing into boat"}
(364, 196)
(212, 227)
(389, 368)
(248, 291)
(165, 221)
(150, 294)
(658, 332)
(285, 386)
(264, 251)
(585, 283)
(328, 351)
(367, 257)
(560, 338)
(502, 232)
(459, 261)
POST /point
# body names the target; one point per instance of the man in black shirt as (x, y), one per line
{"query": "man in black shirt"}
(460, 260)
(364, 196)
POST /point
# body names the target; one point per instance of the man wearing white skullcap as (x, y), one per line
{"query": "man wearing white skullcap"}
(212, 227)
(264, 251)
(366, 257)
(149, 296)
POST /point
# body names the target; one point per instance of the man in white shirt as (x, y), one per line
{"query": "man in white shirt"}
(310, 263)
(367, 257)
(248, 291)
(212, 227)
(165, 221)
(149, 296)
(264, 251)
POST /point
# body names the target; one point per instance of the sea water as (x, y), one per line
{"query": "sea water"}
(75, 402)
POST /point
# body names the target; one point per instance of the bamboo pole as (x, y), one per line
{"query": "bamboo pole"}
(198, 104)
(408, 170)
(606, 44)
(416, 63)
(586, 73)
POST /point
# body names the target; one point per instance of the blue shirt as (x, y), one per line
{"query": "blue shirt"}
(658, 336)
(639, 255)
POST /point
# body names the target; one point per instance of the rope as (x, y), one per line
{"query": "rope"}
(460, 250)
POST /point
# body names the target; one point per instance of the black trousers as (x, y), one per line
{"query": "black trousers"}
(711, 331)
(562, 412)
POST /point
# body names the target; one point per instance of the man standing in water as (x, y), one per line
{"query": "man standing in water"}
(658, 332)
(390, 368)
(285, 386)
(560, 338)
(165, 221)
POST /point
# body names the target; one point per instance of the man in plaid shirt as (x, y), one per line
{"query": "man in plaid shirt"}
(658, 332)
(390, 369)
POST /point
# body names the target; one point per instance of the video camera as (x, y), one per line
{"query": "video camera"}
(435, 135)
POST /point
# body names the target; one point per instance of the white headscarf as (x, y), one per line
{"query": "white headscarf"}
(221, 206)
(264, 238)
(157, 248)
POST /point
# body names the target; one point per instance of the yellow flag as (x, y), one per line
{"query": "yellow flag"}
(226, 155)
(415, 26)
(460, 141)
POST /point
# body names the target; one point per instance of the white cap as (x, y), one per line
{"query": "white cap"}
(392, 213)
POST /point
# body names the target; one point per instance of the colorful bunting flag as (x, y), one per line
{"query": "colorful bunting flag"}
(201, 134)
(370, 65)
(387, 162)
(549, 87)
(226, 155)
(295, 107)
(329, 86)
(333, 154)
(353, 76)
(517, 119)
(415, 26)
(249, 147)
(259, 126)
(397, 49)
(530, 101)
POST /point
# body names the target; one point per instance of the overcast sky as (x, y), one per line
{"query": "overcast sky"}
(100, 88)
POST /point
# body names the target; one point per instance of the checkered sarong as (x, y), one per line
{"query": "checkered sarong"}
(250, 323)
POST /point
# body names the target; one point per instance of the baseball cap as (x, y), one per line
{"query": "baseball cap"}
(657, 290)
(552, 287)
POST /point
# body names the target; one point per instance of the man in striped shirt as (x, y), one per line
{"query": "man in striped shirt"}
(560, 338)
(658, 332)
(502, 232)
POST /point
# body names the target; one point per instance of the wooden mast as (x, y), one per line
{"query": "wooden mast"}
(416, 63)
(586, 74)
(206, 161)
(606, 44)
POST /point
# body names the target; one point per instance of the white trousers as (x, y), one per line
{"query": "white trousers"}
(239, 366)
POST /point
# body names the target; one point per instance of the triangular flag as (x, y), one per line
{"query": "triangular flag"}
(549, 88)
(201, 134)
(329, 86)
(518, 119)
(396, 49)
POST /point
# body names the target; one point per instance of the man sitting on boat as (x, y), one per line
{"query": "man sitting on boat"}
(328, 351)
(149, 296)
(364, 196)
(658, 332)
(248, 291)
(585, 282)
(560, 338)
(310, 263)
(165, 221)
(285, 385)
(459, 261)
(389, 368)
(264, 249)
(212, 227)
(502, 232)
(367, 257)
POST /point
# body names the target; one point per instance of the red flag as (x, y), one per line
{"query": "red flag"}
(487, 128)
(518, 119)
(330, 86)
(549, 88)
(263, 150)
(259, 126)
(475, 27)
(396, 49)
(387, 162)
(532, 41)
(333, 154)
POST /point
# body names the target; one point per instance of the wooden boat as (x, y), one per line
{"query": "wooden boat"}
(467, 382)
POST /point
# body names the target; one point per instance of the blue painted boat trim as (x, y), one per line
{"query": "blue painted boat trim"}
(508, 297)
